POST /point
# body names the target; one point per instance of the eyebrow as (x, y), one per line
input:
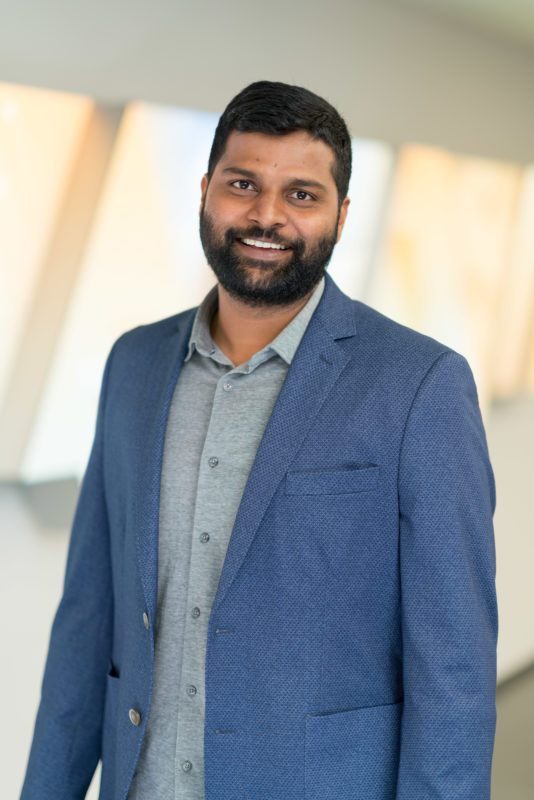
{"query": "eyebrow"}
(303, 182)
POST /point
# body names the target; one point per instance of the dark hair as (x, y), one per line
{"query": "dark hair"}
(279, 108)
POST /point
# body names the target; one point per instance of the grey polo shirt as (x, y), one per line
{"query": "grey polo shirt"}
(216, 421)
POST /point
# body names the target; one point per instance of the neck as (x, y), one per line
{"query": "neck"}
(240, 330)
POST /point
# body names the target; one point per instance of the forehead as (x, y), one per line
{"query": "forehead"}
(295, 154)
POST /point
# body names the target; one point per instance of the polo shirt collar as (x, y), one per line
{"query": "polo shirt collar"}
(285, 344)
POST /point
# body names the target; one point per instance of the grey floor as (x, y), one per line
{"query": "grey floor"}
(33, 541)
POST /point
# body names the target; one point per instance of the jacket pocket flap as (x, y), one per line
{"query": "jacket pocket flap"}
(333, 481)
(353, 753)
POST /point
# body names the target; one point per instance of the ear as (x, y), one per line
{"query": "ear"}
(342, 217)
(203, 188)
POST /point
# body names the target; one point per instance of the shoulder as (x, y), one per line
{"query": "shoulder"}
(413, 361)
(391, 339)
(395, 363)
(378, 337)
(140, 351)
(141, 343)
(153, 333)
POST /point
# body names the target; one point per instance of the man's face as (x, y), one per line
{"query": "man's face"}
(269, 216)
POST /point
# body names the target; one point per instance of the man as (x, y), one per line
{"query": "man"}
(280, 581)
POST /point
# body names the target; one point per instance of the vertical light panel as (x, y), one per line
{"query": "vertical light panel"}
(354, 253)
(513, 334)
(40, 134)
(446, 249)
(529, 366)
(143, 261)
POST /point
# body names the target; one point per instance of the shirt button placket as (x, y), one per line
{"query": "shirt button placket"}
(201, 558)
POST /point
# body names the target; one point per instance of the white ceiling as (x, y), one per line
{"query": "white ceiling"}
(512, 19)
(398, 70)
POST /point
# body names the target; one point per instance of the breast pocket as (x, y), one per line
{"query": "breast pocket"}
(346, 480)
(335, 518)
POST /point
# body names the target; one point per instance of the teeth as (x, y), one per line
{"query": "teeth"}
(266, 245)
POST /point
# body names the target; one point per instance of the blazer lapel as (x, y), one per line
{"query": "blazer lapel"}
(158, 390)
(315, 368)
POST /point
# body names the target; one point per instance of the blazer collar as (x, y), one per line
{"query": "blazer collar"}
(336, 311)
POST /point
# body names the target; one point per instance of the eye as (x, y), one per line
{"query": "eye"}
(300, 194)
(244, 185)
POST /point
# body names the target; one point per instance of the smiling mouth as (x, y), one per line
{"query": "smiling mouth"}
(263, 245)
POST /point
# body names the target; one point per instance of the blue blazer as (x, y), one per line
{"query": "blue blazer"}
(351, 644)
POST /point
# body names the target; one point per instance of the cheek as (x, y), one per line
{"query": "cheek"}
(313, 234)
(226, 217)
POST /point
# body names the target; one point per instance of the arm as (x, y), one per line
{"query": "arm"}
(449, 615)
(67, 737)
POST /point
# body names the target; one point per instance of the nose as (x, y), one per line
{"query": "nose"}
(267, 210)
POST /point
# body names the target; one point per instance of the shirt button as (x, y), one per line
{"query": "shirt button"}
(204, 537)
(227, 387)
(187, 766)
(191, 690)
(213, 461)
(146, 620)
(135, 717)
(195, 612)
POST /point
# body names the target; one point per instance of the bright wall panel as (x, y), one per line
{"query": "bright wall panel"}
(445, 253)
(354, 254)
(144, 261)
(40, 132)
(512, 347)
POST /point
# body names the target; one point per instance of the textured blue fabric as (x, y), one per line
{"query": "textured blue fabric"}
(351, 647)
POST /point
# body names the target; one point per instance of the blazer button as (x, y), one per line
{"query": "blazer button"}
(146, 620)
(135, 717)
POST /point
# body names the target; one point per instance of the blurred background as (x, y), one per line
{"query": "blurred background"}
(107, 111)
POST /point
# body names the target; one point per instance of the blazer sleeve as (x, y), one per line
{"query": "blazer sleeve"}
(67, 738)
(448, 604)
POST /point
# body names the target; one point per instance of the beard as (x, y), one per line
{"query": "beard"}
(272, 284)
